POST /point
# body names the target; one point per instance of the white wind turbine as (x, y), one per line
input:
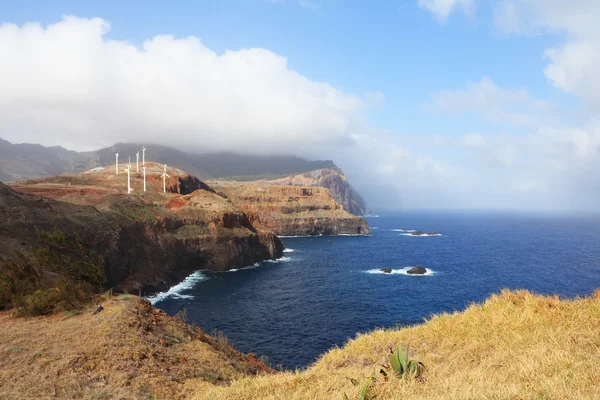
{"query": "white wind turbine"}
(129, 188)
(144, 169)
(165, 176)
(143, 156)
(137, 162)
(117, 163)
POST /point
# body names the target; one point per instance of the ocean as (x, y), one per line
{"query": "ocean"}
(327, 289)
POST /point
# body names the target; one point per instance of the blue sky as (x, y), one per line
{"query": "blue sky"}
(441, 89)
(392, 47)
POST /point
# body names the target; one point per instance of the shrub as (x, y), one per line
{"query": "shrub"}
(402, 366)
(59, 274)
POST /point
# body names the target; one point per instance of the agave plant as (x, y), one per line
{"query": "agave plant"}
(402, 366)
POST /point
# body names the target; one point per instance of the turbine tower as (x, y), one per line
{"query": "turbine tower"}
(129, 188)
(137, 162)
(144, 169)
(165, 176)
(117, 163)
(143, 156)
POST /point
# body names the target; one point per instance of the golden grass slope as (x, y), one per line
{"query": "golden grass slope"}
(128, 351)
(516, 345)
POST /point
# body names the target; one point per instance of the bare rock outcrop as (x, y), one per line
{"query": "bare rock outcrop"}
(292, 210)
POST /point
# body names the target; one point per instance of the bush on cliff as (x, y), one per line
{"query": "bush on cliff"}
(59, 274)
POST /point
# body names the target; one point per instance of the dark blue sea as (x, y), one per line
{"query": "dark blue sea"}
(326, 289)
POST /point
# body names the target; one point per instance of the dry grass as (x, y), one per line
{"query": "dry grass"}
(127, 351)
(516, 345)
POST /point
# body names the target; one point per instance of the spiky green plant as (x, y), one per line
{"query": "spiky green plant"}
(402, 366)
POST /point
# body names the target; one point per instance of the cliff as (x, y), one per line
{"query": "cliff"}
(332, 179)
(128, 351)
(144, 241)
(291, 210)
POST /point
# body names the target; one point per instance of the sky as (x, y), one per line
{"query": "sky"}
(468, 104)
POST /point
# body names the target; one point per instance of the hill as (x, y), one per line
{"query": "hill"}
(516, 345)
(28, 161)
(127, 351)
(60, 253)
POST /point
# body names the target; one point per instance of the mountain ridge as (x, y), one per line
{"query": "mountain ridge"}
(30, 161)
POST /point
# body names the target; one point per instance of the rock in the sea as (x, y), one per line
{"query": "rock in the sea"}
(418, 233)
(434, 233)
(386, 270)
(418, 270)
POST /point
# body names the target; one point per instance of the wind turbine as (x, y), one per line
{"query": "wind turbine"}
(143, 156)
(165, 176)
(144, 169)
(117, 163)
(129, 188)
(137, 162)
(129, 164)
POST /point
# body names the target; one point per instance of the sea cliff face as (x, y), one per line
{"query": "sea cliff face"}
(292, 210)
(146, 241)
(332, 179)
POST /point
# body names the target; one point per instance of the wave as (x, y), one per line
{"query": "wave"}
(373, 227)
(371, 216)
(288, 250)
(255, 265)
(403, 230)
(279, 260)
(299, 236)
(402, 271)
(175, 291)
(423, 235)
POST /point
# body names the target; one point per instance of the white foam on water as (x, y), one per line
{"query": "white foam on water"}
(279, 260)
(175, 291)
(423, 235)
(255, 265)
(298, 236)
(371, 216)
(288, 250)
(402, 271)
(403, 230)
(373, 227)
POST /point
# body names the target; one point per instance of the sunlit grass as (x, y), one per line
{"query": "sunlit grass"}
(516, 345)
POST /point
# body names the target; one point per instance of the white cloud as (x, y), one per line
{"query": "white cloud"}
(575, 63)
(495, 104)
(67, 84)
(311, 5)
(442, 9)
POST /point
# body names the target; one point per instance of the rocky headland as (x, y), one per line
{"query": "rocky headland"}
(332, 179)
(143, 241)
(290, 210)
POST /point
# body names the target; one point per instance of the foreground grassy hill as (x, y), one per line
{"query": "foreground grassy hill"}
(127, 351)
(516, 345)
